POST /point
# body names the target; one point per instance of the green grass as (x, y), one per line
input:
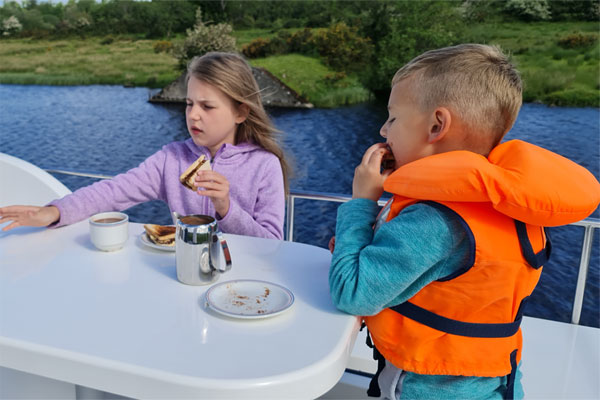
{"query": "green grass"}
(308, 77)
(243, 37)
(84, 62)
(551, 74)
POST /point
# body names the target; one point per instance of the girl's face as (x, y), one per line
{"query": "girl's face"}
(211, 116)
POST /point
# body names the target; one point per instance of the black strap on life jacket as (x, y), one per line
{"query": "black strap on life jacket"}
(535, 260)
(374, 390)
(510, 378)
(455, 327)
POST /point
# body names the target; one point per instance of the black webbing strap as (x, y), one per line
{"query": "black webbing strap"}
(374, 390)
(510, 378)
(536, 260)
(455, 327)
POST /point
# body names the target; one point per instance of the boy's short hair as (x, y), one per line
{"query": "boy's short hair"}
(477, 82)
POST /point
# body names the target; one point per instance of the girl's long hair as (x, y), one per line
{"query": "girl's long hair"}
(230, 73)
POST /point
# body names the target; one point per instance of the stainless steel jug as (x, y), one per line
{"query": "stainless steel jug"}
(201, 251)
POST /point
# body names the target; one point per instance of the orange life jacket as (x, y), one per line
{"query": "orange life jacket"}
(468, 324)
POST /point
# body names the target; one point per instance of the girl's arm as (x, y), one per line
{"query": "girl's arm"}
(370, 272)
(139, 184)
(266, 218)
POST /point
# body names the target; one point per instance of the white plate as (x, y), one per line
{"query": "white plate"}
(249, 298)
(149, 243)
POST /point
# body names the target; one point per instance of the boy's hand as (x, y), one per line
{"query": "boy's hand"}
(28, 216)
(216, 187)
(368, 178)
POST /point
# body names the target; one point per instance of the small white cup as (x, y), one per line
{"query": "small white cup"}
(109, 230)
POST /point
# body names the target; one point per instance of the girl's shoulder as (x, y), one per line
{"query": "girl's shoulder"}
(247, 151)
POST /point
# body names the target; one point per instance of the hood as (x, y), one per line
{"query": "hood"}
(226, 154)
(521, 180)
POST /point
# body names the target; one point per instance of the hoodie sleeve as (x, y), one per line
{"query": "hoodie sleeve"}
(139, 184)
(372, 271)
(266, 218)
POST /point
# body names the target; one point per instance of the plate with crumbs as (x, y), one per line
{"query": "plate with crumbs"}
(249, 299)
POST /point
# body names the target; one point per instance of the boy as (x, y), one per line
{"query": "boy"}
(442, 273)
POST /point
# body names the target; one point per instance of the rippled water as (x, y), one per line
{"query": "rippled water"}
(109, 129)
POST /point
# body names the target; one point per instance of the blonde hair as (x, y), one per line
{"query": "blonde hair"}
(230, 73)
(475, 81)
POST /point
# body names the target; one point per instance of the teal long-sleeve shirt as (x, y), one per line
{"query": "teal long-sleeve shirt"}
(372, 270)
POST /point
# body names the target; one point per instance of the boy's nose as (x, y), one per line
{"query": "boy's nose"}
(383, 132)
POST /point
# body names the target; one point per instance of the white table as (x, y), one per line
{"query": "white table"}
(121, 322)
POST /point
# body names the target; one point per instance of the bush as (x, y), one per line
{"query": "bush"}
(528, 10)
(343, 48)
(258, 48)
(11, 26)
(162, 46)
(202, 39)
(578, 40)
(301, 42)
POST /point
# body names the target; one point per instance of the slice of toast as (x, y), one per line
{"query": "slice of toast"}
(161, 234)
(187, 178)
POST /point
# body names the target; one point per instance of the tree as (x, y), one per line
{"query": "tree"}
(398, 33)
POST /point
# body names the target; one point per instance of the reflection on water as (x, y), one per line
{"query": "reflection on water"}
(109, 129)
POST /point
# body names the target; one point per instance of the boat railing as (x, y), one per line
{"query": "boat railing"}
(589, 225)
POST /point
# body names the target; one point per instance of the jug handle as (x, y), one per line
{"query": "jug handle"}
(226, 254)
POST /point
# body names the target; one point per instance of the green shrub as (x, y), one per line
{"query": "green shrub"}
(528, 10)
(578, 40)
(301, 41)
(162, 46)
(258, 48)
(202, 39)
(343, 48)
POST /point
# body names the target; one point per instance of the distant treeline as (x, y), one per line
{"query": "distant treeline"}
(165, 18)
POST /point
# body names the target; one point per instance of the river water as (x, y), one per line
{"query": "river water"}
(109, 129)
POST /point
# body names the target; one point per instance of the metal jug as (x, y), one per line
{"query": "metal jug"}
(202, 252)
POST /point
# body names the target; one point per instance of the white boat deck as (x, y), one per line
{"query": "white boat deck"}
(560, 361)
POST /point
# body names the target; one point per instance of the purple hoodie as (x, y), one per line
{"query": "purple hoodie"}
(256, 191)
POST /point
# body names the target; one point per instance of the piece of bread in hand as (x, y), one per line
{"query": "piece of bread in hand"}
(161, 234)
(187, 178)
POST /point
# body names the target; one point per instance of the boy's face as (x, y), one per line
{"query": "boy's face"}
(407, 127)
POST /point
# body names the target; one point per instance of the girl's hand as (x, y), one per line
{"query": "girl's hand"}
(28, 216)
(368, 178)
(216, 187)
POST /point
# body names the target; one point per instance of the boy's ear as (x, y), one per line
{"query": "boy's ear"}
(441, 119)
(242, 113)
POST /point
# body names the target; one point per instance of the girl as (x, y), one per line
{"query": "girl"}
(245, 191)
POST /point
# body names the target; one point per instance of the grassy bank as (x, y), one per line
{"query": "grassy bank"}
(85, 62)
(314, 81)
(553, 73)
